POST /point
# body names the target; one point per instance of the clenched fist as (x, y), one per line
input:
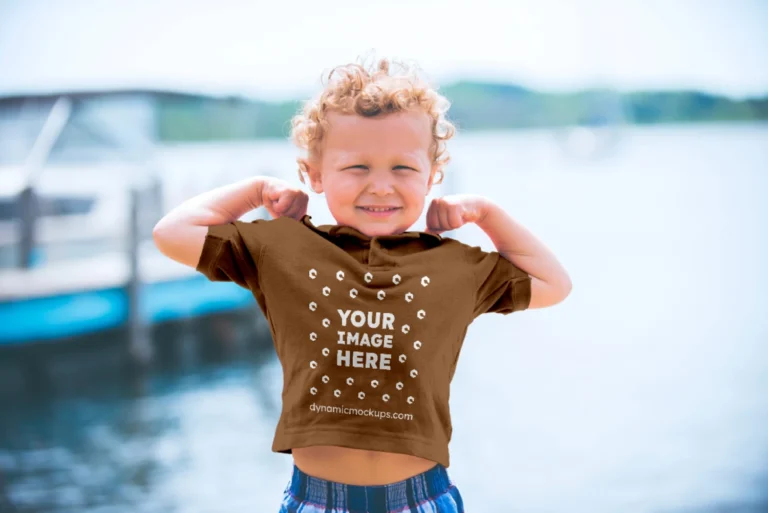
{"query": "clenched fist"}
(281, 199)
(451, 212)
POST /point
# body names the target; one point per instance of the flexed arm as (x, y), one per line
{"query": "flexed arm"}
(180, 234)
(550, 283)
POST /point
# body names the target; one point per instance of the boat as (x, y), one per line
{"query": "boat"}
(80, 190)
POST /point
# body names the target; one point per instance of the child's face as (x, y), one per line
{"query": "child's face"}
(368, 162)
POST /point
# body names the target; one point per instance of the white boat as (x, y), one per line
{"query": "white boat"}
(89, 264)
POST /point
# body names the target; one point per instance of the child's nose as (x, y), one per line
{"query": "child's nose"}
(380, 183)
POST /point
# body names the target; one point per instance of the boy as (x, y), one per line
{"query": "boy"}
(367, 317)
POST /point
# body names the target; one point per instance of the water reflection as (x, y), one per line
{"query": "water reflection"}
(129, 440)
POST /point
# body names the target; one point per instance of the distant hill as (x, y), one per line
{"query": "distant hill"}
(475, 106)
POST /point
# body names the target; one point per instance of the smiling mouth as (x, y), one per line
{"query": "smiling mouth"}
(379, 209)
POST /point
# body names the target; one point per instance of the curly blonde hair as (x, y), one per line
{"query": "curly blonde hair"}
(371, 91)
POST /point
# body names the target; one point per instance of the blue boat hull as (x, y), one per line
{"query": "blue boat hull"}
(80, 313)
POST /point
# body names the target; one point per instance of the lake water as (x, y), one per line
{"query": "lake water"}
(645, 391)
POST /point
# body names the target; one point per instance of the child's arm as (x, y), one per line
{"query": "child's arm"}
(550, 283)
(181, 233)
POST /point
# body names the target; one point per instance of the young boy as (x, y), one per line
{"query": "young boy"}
(367, 318)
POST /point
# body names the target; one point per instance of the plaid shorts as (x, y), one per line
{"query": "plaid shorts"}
(431, 491)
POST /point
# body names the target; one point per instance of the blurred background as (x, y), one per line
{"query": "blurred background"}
(630, 137)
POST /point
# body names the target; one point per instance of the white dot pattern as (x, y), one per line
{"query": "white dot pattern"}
(405, 328)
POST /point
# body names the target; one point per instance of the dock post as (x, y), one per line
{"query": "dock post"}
(28, 200)
(139, 340)
(28, 209)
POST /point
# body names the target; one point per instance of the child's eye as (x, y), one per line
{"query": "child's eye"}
(365, 168)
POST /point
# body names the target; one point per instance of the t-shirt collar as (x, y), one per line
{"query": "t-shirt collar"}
(335, 230)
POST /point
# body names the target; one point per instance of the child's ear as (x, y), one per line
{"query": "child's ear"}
(310, 169)
(435, 178)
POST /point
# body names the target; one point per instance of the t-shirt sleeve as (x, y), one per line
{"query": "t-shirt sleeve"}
(500, 286)
(231, 252)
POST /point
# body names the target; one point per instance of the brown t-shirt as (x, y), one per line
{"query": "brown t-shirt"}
(367, 329)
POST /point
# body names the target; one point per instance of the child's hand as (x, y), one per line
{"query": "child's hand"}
(282, 199)
(451, 212)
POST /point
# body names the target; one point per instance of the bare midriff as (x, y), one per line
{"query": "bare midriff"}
(356, 466)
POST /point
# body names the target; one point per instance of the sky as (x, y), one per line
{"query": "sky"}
(279, 49)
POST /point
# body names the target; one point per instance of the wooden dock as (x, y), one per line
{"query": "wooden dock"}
(70, 298)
